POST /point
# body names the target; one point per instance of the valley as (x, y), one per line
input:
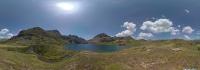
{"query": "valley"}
(38, 49)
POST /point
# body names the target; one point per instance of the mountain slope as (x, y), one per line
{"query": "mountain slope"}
(101, 38)
(47, 45)
(37, 35)
(74, 39)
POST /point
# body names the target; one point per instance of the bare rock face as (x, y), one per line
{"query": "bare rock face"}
(101, 38)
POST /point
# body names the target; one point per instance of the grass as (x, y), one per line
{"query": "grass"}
(113, 67)
(148, 55)
(22, 61)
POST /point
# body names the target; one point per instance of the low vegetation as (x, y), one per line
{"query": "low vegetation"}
(45, 51)
(151, 55)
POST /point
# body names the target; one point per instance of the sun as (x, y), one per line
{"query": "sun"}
(69, 7)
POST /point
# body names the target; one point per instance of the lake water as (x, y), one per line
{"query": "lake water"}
(93, 48)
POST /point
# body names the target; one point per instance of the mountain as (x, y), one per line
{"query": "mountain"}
(103, 37)
(54, 33)
(37, 35)
(47, 44)
(73, 39)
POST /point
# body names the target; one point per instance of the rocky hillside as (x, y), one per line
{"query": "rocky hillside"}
(38, 35)
(74, 39)
(101, 38)
(54, 33)
(104, 39)
(47, 44)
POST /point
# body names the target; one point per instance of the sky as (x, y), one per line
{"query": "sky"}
(141, 19)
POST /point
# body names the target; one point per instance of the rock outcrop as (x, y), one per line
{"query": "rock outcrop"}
(101, 38)
(73, 39)
(38, 35)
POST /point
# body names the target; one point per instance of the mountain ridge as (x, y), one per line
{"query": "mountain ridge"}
(37, 34)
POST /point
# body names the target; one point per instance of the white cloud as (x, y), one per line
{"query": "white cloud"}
(125, 33)
(187, 11)
(5, 34)
(130, 26)
(174, 31)
(187, 30)
(187, 37)
(130, 29)
(154, 27)
(4, 31)
(179, 26)
(143, 35)
(10, 35)
(159, 26)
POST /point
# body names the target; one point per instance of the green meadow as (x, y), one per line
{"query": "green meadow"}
(147, 55)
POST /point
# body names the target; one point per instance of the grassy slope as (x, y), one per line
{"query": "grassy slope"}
(152, 56)
(20, 61)
(149, 55)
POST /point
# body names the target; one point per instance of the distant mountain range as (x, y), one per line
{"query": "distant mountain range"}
(101, 38)
(38, 35)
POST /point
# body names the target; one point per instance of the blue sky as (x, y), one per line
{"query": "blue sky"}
(99, 16)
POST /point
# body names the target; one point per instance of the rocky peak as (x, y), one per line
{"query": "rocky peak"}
(54, 32)
(101, 38)
(75, 39)
(32, 31)
(102, 35)
(36, 35)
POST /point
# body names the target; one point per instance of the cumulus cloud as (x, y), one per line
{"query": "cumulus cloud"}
(187, 37)
(143, 35)
(187, 30)
(174, 31)
(149, 28)
(159, 26)
(4, 31)
(5, 34)
(130, 29)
